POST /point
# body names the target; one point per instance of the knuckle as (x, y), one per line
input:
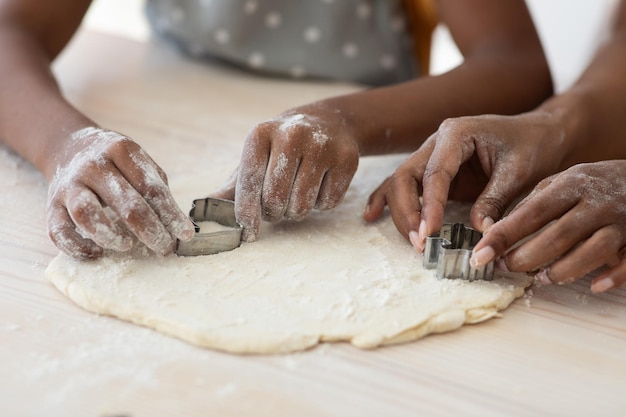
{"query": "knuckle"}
(494, 206)
(297, 211)
(449, 126)
(499, 239)
(329, 199)
(81, 211)
(453, 128)
(256, 137)
(559, 245)
(401, 173)
(608, 241)
(67, 240)
(272, 205)
(155, 192)
(431, 172)
(301, 206)
(123, 145)
(134, 212)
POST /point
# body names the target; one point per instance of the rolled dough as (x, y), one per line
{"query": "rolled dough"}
(328, 278)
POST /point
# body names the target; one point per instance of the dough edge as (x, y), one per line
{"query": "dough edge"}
(438, 323)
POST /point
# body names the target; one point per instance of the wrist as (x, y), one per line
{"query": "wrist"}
(569, 115)
(56, 148)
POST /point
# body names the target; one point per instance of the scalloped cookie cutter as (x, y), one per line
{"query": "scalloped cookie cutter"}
(212, 210)
(450, 250)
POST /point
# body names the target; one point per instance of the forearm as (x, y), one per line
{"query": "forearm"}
(399, 118)
(34, 117)
(593, 110)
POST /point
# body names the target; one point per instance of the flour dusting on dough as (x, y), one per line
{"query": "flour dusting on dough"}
(327, 278)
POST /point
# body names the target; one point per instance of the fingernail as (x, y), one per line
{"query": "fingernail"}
(366, 212)
(543, 278)
(482, 257)
(487, 223)
(423, 234)
(248, 235)
(602, 285)
(183, 228)
(415, 240)
(188, 232)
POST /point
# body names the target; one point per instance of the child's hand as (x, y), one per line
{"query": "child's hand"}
(290, 165)
(587, 203)
(491, 159)
(105, 193)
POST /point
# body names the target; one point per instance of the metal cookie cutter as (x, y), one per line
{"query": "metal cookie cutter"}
(216, 210)
(449, 251)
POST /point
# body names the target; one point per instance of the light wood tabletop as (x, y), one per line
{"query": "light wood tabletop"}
(559, 351)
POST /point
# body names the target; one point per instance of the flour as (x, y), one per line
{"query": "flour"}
(98, 166)
(66, 188)
(212, 227)
(319, 136)
(327, 278)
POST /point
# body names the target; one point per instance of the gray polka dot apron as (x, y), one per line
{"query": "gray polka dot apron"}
(363, 41)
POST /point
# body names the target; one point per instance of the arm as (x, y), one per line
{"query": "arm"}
(494, 159)
(32, 33)
(89, 169)
(504, 72)
(591, 114)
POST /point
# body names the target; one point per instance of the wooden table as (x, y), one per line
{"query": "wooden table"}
(559, 352)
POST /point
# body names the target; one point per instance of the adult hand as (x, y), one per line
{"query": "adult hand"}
(583, 210)
(490, 159)
(290, 165)
(107, 192)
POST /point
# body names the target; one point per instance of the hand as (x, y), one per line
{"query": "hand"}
(490, 159)
(108, 192)
(587, 205)
(290, 165)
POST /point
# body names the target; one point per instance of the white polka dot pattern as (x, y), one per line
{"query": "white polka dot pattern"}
(354, 40)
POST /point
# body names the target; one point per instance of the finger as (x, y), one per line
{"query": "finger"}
(443, 164)
(151, 183)
(335, 185)
(277, 185)
(92, 223)
(539, 189)
(305, 191)
(525, 219)
(614, 277)
(602, 248)
(503, 187)
(133, 210)
(403, 194)
(250, 185)
(377, 201)
(551, 243)
(404, 205)
(63, 234)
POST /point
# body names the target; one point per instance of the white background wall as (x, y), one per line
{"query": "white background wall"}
(569, 29)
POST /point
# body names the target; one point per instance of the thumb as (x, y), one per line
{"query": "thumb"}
(376, 202)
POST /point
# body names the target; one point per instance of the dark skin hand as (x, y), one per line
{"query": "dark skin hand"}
(582, 211)
(106, 192)
(494, 160)
(490, 159)
(306, 157)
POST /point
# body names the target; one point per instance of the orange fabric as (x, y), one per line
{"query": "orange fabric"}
(422, 18)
